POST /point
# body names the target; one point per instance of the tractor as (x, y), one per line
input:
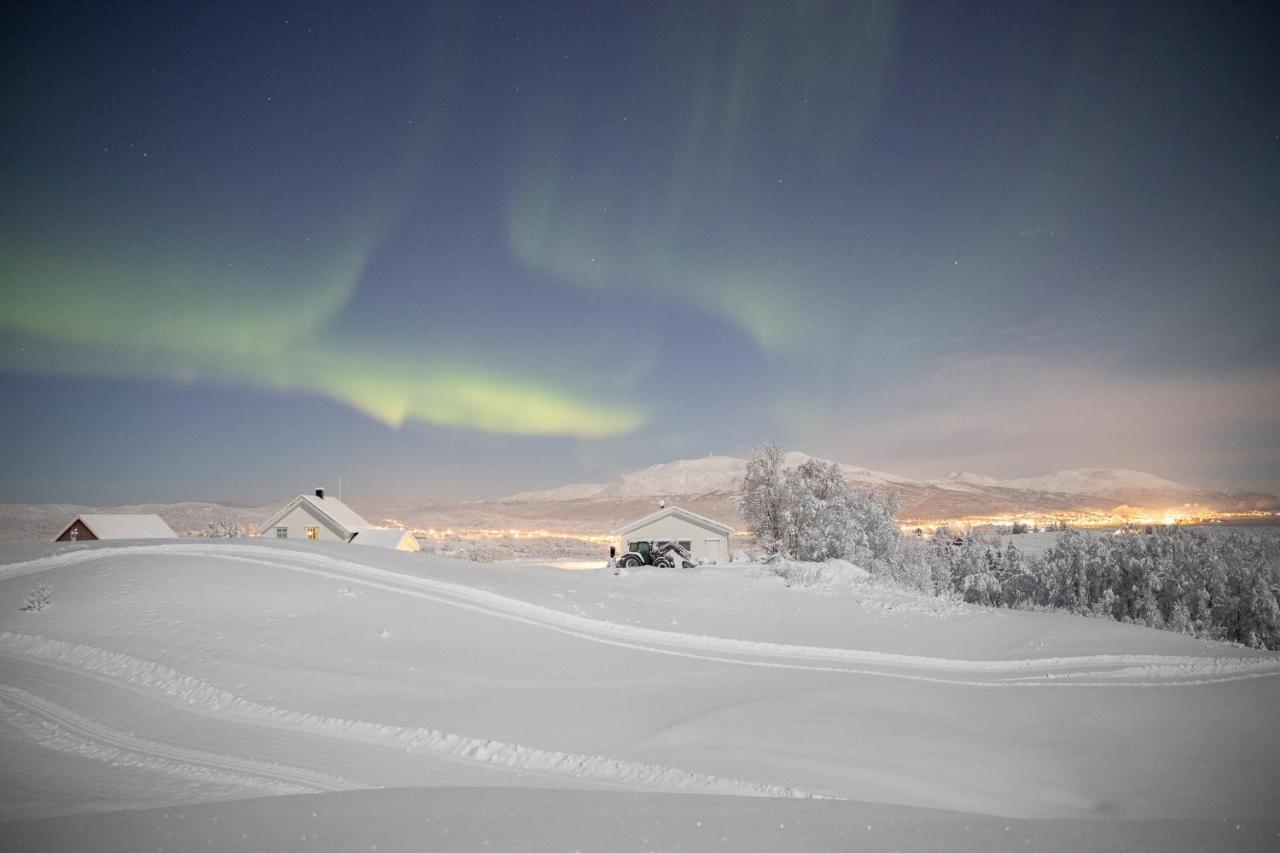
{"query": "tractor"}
(659, 554)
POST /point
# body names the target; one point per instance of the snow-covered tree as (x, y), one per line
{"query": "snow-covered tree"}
(914, 565)
(875, 531)
(226, 529)
(1222, 585)
(820, 512)
(810, 512)
(762, 498)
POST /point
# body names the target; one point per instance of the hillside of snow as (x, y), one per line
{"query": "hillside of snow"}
(956, 495)
(273, 695)
(722, 474)
(705, 476)
(571, 492)
(1079, 481)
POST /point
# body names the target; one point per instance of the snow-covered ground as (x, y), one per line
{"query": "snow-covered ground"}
(262, 695)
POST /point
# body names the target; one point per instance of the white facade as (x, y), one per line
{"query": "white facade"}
(707, 540)
(296, 523)
(314, 517)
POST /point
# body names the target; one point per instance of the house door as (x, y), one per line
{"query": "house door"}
(712, 551)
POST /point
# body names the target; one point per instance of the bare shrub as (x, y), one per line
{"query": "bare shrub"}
(38, 599)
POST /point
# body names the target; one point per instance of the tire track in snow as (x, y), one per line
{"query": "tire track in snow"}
(57, 727)
(1120, 670)
(136, 709)
(210, 698)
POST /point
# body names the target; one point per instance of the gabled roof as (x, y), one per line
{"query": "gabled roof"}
(107, 526)
(683, 514)
(381, 537)
(340, 517)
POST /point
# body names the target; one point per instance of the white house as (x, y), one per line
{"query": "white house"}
(87, 528)
(314, 517)
(707, 540)
(384, 537)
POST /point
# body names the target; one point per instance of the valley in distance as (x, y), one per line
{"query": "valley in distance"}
(950, 693)
(575, 520)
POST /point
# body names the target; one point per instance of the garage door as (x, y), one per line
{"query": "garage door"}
(713, 551)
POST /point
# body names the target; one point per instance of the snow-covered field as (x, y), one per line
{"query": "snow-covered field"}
(262, 695)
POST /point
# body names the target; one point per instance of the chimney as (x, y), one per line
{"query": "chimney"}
(320, 493)
(662, 504)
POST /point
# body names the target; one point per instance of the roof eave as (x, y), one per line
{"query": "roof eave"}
(686, 515)
(346, 533)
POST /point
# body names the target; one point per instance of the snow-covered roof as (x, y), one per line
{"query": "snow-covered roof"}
(683, 514)
(384, 537)
(142, 526)
(341, 518)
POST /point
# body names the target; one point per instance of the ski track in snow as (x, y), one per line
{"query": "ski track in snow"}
(207, 697)
(52, 725)
(1106, 670)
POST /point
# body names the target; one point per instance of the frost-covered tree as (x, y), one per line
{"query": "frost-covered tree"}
(762, 498)
(915, 565)
(875, 531)
(1221, 585)
(810, 512)
(820, 511)
(226, 529)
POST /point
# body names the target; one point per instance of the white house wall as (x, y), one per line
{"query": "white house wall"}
(298, 520)
(708, 545)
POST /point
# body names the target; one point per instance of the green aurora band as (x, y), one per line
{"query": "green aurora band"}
(182, 321)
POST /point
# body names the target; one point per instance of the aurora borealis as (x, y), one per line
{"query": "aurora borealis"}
(482, 247)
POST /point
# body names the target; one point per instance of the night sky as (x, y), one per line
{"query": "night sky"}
(460, 250)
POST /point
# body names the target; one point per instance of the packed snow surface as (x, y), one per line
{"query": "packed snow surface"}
(311, 695)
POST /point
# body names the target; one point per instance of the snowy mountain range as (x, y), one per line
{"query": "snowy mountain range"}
(958, 493)
(706, 476)
(707, 486)
(1078, 481)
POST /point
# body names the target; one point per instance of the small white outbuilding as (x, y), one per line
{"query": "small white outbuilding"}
(314, 517)
(86, 528)
(706, 539)
(387, 537)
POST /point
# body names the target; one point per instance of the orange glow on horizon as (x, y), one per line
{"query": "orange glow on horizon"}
(1121, 516)
(505, 533)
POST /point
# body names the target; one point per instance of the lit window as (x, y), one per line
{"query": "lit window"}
(282, 533)
(313, 532)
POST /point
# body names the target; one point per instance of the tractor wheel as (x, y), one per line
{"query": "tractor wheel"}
(630, 561)
(662, 563)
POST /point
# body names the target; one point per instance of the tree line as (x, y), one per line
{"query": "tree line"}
(1222, 585)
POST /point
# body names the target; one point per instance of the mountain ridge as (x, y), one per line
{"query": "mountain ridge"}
(711, 474)
(957, 493)
(708, 486)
